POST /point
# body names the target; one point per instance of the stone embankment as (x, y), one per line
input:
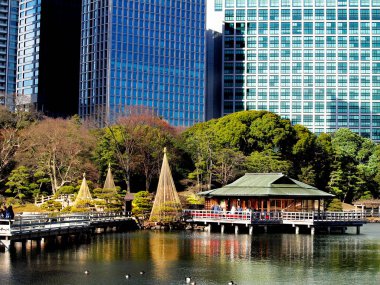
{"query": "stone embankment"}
(164, 226)
(373, 220)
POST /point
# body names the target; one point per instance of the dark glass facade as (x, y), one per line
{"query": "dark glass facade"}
(48, 55)
(145, 53)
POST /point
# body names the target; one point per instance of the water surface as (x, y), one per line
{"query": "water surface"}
(209, 258)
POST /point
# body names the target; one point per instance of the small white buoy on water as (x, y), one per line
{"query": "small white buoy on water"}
(188, 279)
(193, 283)
(231, 283)
(86, 272)
(142, 272)
(127, 276)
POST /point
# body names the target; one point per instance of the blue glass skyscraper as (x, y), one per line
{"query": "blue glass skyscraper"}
(143, 53)
(8, 47)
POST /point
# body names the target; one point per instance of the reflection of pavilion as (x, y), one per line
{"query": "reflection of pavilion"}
(258, 247)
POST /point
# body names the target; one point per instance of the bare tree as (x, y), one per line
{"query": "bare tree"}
(10, 140)
(139, 139)
(61, 148)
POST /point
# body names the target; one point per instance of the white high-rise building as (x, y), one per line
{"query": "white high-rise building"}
(316, 62)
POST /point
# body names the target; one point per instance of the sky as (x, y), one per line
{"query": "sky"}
(214, 19)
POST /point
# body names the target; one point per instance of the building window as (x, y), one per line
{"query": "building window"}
(218, 5)
(230, 3)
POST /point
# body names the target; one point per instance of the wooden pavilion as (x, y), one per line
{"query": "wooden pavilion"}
(266, 192)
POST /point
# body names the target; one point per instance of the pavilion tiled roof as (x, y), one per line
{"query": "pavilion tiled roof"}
(266, 185)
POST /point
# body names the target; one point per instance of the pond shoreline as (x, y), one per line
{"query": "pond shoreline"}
(373, 220)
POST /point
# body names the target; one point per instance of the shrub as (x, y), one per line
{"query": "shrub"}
(52, 206)
(142, 203)
(335, 205)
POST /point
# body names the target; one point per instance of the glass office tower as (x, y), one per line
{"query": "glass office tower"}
(8, 47)
(143, 54)
(316, 62)
(48, 55)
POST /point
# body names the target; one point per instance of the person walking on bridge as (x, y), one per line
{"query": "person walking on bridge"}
(9, 214)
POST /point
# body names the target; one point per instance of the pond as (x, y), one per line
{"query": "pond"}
(209, 258)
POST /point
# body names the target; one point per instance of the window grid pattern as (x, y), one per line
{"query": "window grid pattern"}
(8, 49)
(315, 62)
(149, 54)
(28, 50)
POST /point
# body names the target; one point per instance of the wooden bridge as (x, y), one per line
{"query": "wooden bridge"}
(38, 226)
(324, 221)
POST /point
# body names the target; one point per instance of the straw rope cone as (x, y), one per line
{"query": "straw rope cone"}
(167, 206)
(84, 192)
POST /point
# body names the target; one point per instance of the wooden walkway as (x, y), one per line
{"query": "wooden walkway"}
(320, 220)
(38, 226)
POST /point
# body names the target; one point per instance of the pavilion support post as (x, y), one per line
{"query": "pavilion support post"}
(208, 228)
(222, 229)
(23, 245)
(250, 230)
(312, 231)
(297, 230)
(358, 230)
(328, 229)
(236, 229)
(265, 229)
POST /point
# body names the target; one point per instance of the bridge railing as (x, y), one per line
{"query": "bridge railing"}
(66, 199)
(29, 224)
(43, 222)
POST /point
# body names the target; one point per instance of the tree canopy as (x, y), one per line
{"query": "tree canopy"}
(48, 156)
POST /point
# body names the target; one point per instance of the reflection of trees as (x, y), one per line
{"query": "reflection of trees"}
(164, 251)
(346, 253)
